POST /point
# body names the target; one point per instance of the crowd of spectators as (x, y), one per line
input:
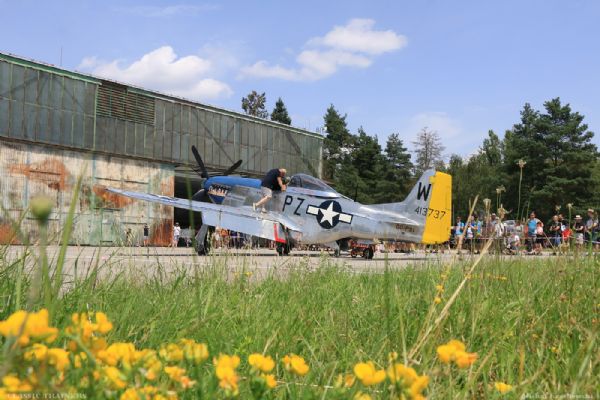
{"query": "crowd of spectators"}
(512, 237)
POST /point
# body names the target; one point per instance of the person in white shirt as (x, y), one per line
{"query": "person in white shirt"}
(176, 234)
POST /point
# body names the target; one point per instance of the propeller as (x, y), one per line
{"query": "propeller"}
(233, 168)
(201, 168)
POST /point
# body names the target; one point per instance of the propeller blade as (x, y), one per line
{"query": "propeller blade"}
(233, 168)
(202, 172)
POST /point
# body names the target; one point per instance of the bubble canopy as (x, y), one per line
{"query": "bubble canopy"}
(309, 182)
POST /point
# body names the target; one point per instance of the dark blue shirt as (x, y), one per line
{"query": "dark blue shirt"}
(270, 179)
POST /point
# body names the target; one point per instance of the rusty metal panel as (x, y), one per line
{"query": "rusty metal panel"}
(101, 218)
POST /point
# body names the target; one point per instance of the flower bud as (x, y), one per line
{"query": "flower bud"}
(41, 207)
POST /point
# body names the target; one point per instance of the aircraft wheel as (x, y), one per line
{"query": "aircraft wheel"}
(204, 248)
(336, 253)
(283, 249)
(368, 253)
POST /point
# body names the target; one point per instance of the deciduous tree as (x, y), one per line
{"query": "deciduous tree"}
(255, 104)
(428, 150)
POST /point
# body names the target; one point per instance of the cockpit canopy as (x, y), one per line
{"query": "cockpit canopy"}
(309, 182)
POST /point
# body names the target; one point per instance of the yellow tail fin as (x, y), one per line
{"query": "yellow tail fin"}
(439, 215)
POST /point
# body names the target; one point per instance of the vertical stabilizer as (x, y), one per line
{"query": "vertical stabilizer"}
(429, 204)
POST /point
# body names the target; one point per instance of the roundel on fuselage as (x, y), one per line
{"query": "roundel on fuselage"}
(329, 213)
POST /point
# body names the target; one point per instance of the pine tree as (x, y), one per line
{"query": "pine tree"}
(280, 113)
(254, 104)
(396, 179)
(338, 143)
(559, 154)
(368, 162)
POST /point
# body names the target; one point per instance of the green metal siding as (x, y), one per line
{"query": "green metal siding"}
(45, 104)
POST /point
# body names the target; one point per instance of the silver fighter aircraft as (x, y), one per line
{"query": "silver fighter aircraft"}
(311, 212)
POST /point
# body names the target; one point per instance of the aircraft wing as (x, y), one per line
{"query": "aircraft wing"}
(240, 219)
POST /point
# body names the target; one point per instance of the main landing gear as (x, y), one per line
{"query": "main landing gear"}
(283, 249)
(203, 240)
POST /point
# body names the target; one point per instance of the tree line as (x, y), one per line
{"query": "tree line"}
(546, 162)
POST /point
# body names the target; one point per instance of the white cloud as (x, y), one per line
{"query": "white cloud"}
(358, 36)
(167, 11)
(446, 126)
(352, 45)
(456, 138)
(262, 69)
(162, 70)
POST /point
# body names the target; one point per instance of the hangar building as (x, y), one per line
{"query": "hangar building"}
(56, 125)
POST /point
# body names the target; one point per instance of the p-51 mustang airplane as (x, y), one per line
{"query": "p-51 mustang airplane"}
(311, 212)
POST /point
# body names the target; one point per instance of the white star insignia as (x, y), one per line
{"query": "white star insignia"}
(328, 214)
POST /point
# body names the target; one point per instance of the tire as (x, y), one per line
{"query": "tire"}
(368, 253)
(283, 249)
(204, 248)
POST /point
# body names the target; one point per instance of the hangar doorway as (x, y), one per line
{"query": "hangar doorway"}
(186, 185)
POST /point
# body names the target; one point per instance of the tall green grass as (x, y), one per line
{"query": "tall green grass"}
(533, 322)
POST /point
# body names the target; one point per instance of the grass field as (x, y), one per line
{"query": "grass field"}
(533, 324)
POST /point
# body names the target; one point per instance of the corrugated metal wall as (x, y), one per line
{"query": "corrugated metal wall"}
(78, 112)
(101, 218)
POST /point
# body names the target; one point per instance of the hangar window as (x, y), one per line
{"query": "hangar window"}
(116, 101)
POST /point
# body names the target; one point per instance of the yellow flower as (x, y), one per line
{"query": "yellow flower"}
(437, 300)
(171, 352)
(147, 390)
(446, 353)
(362, 396)
(82, 325)
(59, 358)
(226, 361)
(26, 326)
(13, 384)
(457, 344)
(130, 394)
(38, 352)
(175, 373)
(401, 373)
(225, 366)
(270, 380)
(502, 387)
(194, 352)
(417, 387)
(439, 288)
(79, 359)
(115, 378)
(368, 374)
(454, 350)
(103, 324)
(123, 352)
(261, 363)
(295, 364)
(464, 359)
(407, 380)
(345, 381)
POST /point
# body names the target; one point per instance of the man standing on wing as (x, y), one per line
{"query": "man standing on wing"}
(273, 180)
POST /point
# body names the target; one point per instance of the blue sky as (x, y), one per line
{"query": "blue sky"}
(460, 68)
